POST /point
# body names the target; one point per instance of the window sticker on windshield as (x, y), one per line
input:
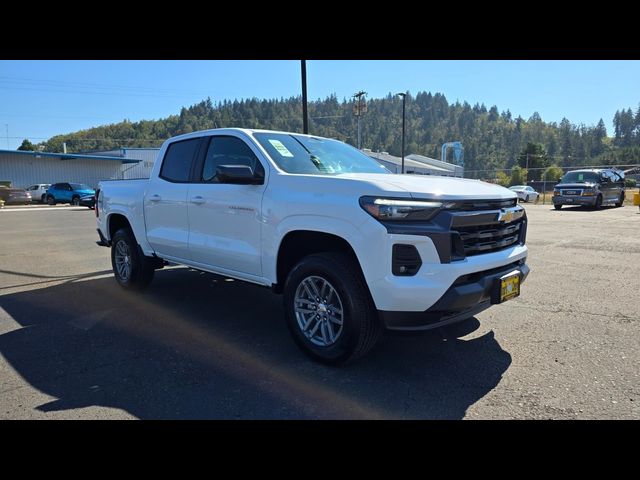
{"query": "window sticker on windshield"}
(581, 177)
(282, 150)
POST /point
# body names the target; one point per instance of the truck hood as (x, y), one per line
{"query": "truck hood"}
(426, 186)
(576, 185)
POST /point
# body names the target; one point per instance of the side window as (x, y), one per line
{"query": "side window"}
(176, 166)
(228, 151)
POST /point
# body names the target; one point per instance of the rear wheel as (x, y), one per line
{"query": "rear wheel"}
(329, 310)
(132, 270)
(620, 200)
(43, 198)
(51, 200)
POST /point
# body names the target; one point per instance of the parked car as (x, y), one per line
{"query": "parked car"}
(590, 187)
(38, 192)
(14, 196)
(525, 193)
(88, 201)
(353, 248)
(68, 193)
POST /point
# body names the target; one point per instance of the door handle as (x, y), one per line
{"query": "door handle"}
(198, 200)
(155, 198)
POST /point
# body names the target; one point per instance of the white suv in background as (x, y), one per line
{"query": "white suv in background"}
(38, 192)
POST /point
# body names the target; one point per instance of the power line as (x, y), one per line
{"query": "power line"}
(101, 86)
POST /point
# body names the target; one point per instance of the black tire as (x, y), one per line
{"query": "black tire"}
(141, 271)
(51, 200)
(361, 327)
(43, 198)
(526, 200)
(75, 201)
(620, 201)
(557, 206)
(598, 204)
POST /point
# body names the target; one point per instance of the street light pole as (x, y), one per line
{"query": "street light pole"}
(403, 95)
(305, 118)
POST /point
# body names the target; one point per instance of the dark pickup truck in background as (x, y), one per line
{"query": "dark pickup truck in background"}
(592, 187)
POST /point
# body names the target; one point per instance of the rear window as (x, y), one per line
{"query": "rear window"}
(176, 166)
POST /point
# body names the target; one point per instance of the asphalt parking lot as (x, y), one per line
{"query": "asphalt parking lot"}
(73, 345)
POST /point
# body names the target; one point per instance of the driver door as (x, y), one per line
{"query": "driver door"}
(225, 219)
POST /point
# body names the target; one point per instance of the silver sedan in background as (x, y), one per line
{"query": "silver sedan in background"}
(525, 193)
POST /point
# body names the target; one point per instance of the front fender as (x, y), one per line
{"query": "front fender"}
(353, 235)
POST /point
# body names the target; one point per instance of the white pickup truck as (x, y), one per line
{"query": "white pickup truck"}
(353, 248)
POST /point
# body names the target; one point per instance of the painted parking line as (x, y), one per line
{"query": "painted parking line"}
(41, 209)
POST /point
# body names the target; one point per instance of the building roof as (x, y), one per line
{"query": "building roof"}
(433, 162)
(407, 161)
(69, 156)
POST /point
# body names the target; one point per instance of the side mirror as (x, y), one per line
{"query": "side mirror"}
(237, 174)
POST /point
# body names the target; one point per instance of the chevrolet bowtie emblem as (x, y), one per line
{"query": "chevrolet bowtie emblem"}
(505, 216)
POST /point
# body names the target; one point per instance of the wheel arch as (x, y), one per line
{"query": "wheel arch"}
(297, 244)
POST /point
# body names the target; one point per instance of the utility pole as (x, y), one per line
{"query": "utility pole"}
(359, 109)
(403, 95)
(305, 117)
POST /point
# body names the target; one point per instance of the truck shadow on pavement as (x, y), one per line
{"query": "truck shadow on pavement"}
(200, 346)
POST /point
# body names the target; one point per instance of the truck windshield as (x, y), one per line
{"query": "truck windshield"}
(316, 156)
(580, 177)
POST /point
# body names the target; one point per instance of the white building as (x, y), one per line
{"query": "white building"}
(24, 168)
(142, 169)
(416, 164)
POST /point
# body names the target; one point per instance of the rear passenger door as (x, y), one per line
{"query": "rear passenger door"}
(165, 202)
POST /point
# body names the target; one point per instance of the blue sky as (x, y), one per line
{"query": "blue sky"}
(39, 99)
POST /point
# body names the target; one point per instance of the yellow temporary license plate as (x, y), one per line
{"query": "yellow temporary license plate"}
(509, 287)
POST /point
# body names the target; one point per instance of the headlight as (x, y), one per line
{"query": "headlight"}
(556, 192)
(588, 193)
(395, 209)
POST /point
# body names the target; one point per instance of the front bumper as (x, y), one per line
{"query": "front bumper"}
(469, 295)
(574, 200)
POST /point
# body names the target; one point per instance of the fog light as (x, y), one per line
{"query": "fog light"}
(403, 269)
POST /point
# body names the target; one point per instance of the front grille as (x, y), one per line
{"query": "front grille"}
(571, 192)
(477, 205)
(479, 239)
(405, 260)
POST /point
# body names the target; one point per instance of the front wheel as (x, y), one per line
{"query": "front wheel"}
(132, 270)
(598, 204)
(526, 199)
(329, 310)
(75, 201)
(557, 206)
(620, 200)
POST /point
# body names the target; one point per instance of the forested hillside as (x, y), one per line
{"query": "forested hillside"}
(492, 139)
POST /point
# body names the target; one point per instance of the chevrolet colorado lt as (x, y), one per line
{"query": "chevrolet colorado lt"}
(353, 248)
